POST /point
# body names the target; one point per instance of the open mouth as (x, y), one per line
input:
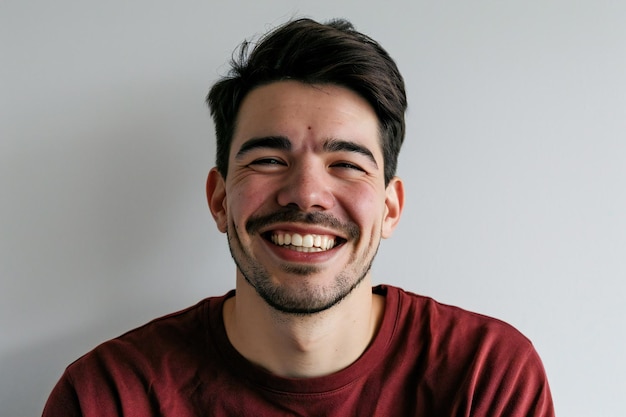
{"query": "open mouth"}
(304, 243)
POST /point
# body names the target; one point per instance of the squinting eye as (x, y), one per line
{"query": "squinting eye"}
(267, 161)
(348, 165)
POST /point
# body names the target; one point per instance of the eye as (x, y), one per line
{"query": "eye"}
(266, 163)
(347, 165)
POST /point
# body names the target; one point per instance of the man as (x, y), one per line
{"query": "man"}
(309, 126)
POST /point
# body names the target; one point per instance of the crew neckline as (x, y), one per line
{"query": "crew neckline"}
(264, 379)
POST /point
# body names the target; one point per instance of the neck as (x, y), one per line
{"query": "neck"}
(302, 346)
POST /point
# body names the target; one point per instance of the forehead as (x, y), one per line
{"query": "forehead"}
(306, 113)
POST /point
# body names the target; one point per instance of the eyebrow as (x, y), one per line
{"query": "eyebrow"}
(338, 145)
(271, 142)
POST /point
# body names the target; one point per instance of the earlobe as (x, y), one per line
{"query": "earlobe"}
(216, 197)
(394, 203)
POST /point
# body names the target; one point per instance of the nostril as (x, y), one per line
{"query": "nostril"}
(306, 193)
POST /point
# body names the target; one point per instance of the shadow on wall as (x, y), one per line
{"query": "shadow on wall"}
(104, 196)
(30, 372)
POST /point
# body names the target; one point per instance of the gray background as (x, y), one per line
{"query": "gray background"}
(515, 166)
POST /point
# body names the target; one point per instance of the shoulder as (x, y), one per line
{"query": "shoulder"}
(182, 333)
(483, 360)
(447, 321)
(159, 359)
(458, 337)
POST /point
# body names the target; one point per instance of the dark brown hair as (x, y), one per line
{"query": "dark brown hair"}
(314, 53)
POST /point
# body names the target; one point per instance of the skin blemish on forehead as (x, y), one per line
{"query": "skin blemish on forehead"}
(309, 127)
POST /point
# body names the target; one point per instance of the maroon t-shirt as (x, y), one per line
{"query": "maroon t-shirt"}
(428, 359)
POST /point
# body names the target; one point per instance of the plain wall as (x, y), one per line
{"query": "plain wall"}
(514, 162)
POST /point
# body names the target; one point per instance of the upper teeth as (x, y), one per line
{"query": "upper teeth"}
(316, 242)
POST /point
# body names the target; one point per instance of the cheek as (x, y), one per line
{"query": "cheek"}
(246, 200)
(363, 204)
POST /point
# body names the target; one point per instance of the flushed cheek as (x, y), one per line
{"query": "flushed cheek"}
(363, 206)
(244, 203)
(248, 199)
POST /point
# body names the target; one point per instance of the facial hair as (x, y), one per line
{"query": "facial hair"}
(308, 298)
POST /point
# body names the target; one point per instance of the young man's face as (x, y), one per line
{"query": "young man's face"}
(304, 203)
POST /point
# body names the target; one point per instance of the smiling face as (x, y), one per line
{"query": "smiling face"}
(304, 203)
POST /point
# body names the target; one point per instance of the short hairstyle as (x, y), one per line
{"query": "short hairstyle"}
(314, 53)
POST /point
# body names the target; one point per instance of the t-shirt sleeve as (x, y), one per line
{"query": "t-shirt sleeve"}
(516, 388)
(63, 401)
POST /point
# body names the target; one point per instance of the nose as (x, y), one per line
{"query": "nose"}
(308, 187)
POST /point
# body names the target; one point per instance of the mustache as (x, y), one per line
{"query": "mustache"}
(350, 229)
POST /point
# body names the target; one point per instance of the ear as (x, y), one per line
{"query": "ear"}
(394, 203)
(216, 197)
